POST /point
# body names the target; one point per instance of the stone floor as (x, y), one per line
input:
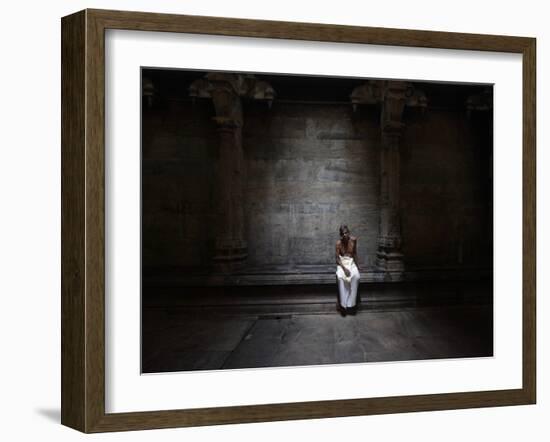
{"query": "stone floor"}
(179, 339)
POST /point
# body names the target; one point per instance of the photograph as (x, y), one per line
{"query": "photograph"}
(302, 220)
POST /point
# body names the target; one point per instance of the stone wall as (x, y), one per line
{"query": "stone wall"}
(446, 175)
(179, 149)
(308, 168)
(311, 168)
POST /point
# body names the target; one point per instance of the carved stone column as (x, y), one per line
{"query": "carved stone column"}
(231, 244)
(393, 96)
(388, 256)
(226, 92)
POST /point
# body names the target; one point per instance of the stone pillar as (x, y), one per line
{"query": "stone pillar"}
(226, 92)
(393, 96)
(231, 246)
(388, 256)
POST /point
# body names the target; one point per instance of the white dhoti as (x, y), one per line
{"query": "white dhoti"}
(347, 285)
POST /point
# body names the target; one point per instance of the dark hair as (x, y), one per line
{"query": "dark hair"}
(342, 228)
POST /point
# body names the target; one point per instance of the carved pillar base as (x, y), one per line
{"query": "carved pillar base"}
(230, 250)
(388, 256)
(230, 255)
(387, 261)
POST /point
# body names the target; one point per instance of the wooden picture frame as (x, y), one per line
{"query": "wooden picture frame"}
(83, 220)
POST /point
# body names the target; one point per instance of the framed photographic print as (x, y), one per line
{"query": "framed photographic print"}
(270, 220)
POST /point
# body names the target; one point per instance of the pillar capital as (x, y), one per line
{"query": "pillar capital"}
(227, 90)
(481, 102)
(391, 95)
(149, 91)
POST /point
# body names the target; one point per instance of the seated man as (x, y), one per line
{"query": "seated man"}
(347, 271)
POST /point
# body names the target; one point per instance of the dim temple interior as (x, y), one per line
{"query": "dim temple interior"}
(246, 179)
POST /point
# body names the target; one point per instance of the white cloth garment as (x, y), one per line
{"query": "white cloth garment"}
(347, 285)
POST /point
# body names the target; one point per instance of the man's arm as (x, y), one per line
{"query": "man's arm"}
(338, 262)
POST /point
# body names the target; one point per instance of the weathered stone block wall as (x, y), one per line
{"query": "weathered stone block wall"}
(311, 167)
(179, 152)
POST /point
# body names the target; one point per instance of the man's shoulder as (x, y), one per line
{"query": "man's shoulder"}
(338, 242)
(353, 238)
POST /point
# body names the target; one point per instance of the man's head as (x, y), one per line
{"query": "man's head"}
(344, 232)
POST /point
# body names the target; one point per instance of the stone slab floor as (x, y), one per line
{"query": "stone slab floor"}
(183, 339)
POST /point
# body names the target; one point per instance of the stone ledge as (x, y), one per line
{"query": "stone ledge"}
(302, 276)
(295, 299)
